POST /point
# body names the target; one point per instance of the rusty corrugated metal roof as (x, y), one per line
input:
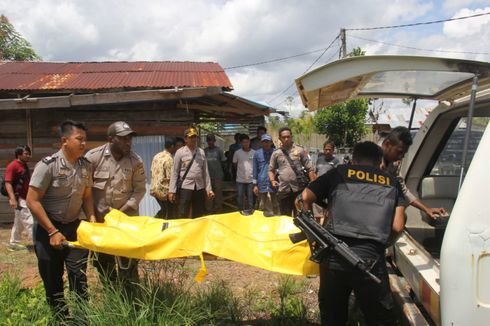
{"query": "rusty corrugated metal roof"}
(50, 76)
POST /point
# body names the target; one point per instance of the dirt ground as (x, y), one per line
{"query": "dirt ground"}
(238, 277)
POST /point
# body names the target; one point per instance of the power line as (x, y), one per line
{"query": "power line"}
(316, 60)
(364, 29)
(415, 48)
(289, 94)
(321, 55)
(273, 60)
(417, 24)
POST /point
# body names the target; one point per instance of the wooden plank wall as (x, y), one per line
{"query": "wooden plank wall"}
(145, 118)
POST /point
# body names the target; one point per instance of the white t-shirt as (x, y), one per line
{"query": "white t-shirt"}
(244, 161)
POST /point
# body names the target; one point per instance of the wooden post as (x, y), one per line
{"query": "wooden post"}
(343, 46)
(29, 130)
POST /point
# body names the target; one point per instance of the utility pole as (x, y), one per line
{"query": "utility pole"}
(343, 46)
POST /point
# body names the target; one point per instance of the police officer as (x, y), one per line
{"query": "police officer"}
(288, 186)
(190, 177)
(59, 187)
(395, 145)
(119, 182)
(365, 210)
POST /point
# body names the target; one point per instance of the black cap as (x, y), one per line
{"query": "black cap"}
(119, 128)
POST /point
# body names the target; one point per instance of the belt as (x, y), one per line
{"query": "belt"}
(62, 222)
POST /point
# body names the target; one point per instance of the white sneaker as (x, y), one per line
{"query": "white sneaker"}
(16, 247)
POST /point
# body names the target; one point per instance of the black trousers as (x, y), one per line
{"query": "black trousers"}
(51, 265)
(286, 202)
(192, 198)
(375, 300)
(167, 210)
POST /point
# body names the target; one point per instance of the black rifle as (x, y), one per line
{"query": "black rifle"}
(322, 241)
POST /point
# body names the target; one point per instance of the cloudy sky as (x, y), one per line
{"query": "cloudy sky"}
(241, 32)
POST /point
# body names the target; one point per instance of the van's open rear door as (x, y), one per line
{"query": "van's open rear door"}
(390, 77)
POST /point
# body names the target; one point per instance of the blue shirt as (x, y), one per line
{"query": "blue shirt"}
(260, 170)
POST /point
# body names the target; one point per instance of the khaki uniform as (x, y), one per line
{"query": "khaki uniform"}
(287, 178)
(198, 176)
(288, 182)
(195, 185)
(394, 169)
(161, 170)
(116, 183)
(63, 185)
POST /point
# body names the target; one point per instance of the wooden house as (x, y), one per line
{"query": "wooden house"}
(157, 99)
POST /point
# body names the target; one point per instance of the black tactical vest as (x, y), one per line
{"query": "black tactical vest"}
(363, 206)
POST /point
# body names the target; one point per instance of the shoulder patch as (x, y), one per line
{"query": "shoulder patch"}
(136, 156)
(48, 160)
(140, 169)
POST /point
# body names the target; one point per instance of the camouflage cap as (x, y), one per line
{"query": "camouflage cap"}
(190, 132)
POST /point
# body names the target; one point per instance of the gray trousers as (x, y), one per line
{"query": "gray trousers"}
(214, 206)
(268, 203)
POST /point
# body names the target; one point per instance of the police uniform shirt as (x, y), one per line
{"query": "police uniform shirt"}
(198, 176)
(370, 223)
(393, 168)
(116, 183)
(287, 177)
(63, 185)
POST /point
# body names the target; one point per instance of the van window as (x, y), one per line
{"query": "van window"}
(449, 161)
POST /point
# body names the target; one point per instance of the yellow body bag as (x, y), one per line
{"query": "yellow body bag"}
(253, 240)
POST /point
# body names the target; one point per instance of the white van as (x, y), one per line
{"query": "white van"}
(445, 262)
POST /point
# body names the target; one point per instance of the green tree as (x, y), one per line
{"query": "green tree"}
(302, 127)
(343, 123)
(356, 52)
(210, 127)
(13, 46)
(274, 123)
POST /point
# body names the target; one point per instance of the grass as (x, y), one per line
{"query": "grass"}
(20, 306)
(166, 295)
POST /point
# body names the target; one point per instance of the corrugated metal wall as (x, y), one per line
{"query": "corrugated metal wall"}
(147, 147)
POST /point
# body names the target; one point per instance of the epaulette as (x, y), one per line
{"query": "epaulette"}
(48, 160)
(84, 159)
(95, 150)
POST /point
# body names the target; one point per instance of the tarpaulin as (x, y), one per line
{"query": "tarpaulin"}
(253, 240)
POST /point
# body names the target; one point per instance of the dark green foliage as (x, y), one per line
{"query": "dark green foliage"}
(343, 123)
(13, 47)
(20, 306)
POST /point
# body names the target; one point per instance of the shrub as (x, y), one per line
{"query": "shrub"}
(20, 306)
